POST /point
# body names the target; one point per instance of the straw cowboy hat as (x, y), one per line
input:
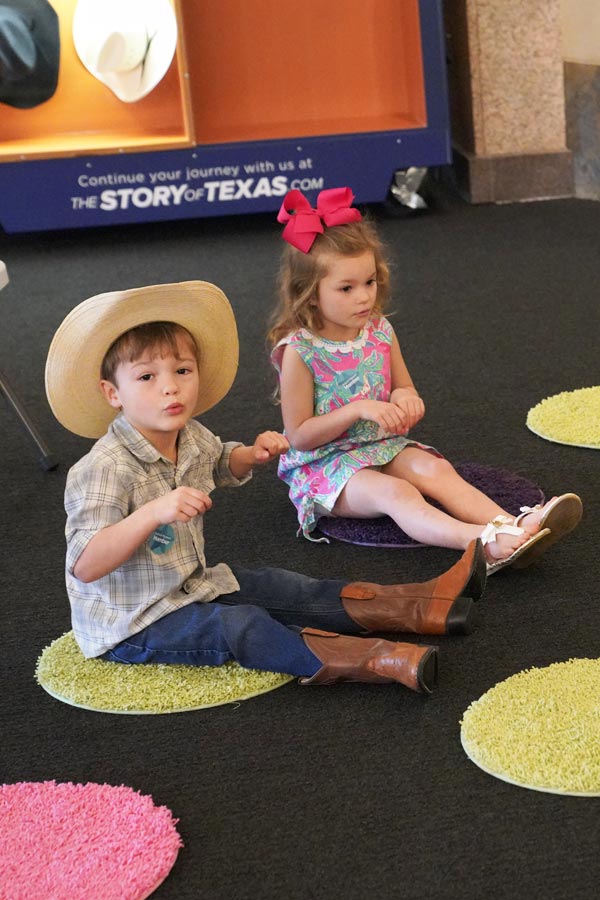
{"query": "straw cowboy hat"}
(126, 44)
(82, 340)
(29, 52)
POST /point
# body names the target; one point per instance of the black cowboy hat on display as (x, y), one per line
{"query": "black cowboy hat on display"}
(29, 52)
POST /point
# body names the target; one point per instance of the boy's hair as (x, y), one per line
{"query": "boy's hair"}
(152, 336)
(300, 273)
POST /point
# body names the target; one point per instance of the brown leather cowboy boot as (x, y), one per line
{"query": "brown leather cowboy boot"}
(442, 605)
(347, 658)
(466, 578)
(382, 607)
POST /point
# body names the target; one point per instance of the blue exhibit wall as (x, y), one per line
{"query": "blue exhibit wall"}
(218, 180)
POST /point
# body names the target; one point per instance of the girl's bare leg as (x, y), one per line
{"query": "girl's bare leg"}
(371, 493)
(438, 479)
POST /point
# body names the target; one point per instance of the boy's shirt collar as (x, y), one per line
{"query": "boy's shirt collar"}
(146, 452)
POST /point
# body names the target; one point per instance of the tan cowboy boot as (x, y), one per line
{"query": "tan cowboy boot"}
(374, 660)
(442, 605)
(466, 578)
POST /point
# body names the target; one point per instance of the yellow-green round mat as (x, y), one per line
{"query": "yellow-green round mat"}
(572, 417)
(102, 686)
(540, 729)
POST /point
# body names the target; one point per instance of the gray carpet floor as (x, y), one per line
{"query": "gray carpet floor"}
(353, 791)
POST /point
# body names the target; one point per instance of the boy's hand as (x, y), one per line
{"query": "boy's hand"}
(180, 505)
(112, 546)
(268, 445)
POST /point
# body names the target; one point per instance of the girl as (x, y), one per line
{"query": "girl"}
(348, 401)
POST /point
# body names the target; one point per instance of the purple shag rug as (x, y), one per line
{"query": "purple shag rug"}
(508, 490)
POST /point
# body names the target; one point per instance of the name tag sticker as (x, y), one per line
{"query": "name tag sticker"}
(162, 539)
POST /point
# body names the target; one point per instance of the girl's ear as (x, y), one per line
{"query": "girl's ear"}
(111, 393)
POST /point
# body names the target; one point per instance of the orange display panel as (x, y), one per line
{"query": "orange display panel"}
(272, 69)
(84, 115)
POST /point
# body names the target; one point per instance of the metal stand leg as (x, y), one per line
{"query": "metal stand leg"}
(47, 462)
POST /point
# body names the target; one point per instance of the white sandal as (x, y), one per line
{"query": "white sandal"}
(505, 525)
(525, 510)
(561, 516)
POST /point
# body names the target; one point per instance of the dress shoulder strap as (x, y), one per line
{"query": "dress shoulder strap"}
(300, 341)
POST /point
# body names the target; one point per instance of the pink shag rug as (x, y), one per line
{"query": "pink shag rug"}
(81, 841)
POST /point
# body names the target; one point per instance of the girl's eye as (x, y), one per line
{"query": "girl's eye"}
(145, 377)
(183, 371)
(347, 288)
(372, 281)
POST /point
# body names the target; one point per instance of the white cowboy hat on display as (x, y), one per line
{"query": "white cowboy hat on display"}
(127, 44)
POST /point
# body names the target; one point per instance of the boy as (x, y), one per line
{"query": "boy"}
(138, 584)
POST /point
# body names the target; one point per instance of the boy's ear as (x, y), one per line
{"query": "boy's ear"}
(111, 393)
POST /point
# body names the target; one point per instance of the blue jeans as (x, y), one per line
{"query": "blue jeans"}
(258, 626)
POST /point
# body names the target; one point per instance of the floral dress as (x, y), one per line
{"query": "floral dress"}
(343, 372)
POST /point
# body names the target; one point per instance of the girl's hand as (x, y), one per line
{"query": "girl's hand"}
(180, 505)
(268, 445)
(410, 404)
(389, 416)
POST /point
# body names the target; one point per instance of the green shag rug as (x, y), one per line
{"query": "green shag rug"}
(102, 686)
(572, 417)
(540, 729)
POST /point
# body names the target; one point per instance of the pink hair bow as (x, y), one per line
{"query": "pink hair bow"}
(303, 223)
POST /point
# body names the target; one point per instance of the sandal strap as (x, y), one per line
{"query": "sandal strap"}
(499, 525)
(525, 510)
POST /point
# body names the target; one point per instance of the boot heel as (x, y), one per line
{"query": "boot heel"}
(427, 671)
(460, 616)
(476, 583)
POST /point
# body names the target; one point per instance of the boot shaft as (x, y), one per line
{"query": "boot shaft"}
(370, 660)
(394, 608)
(466, 578)
(442, 605)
